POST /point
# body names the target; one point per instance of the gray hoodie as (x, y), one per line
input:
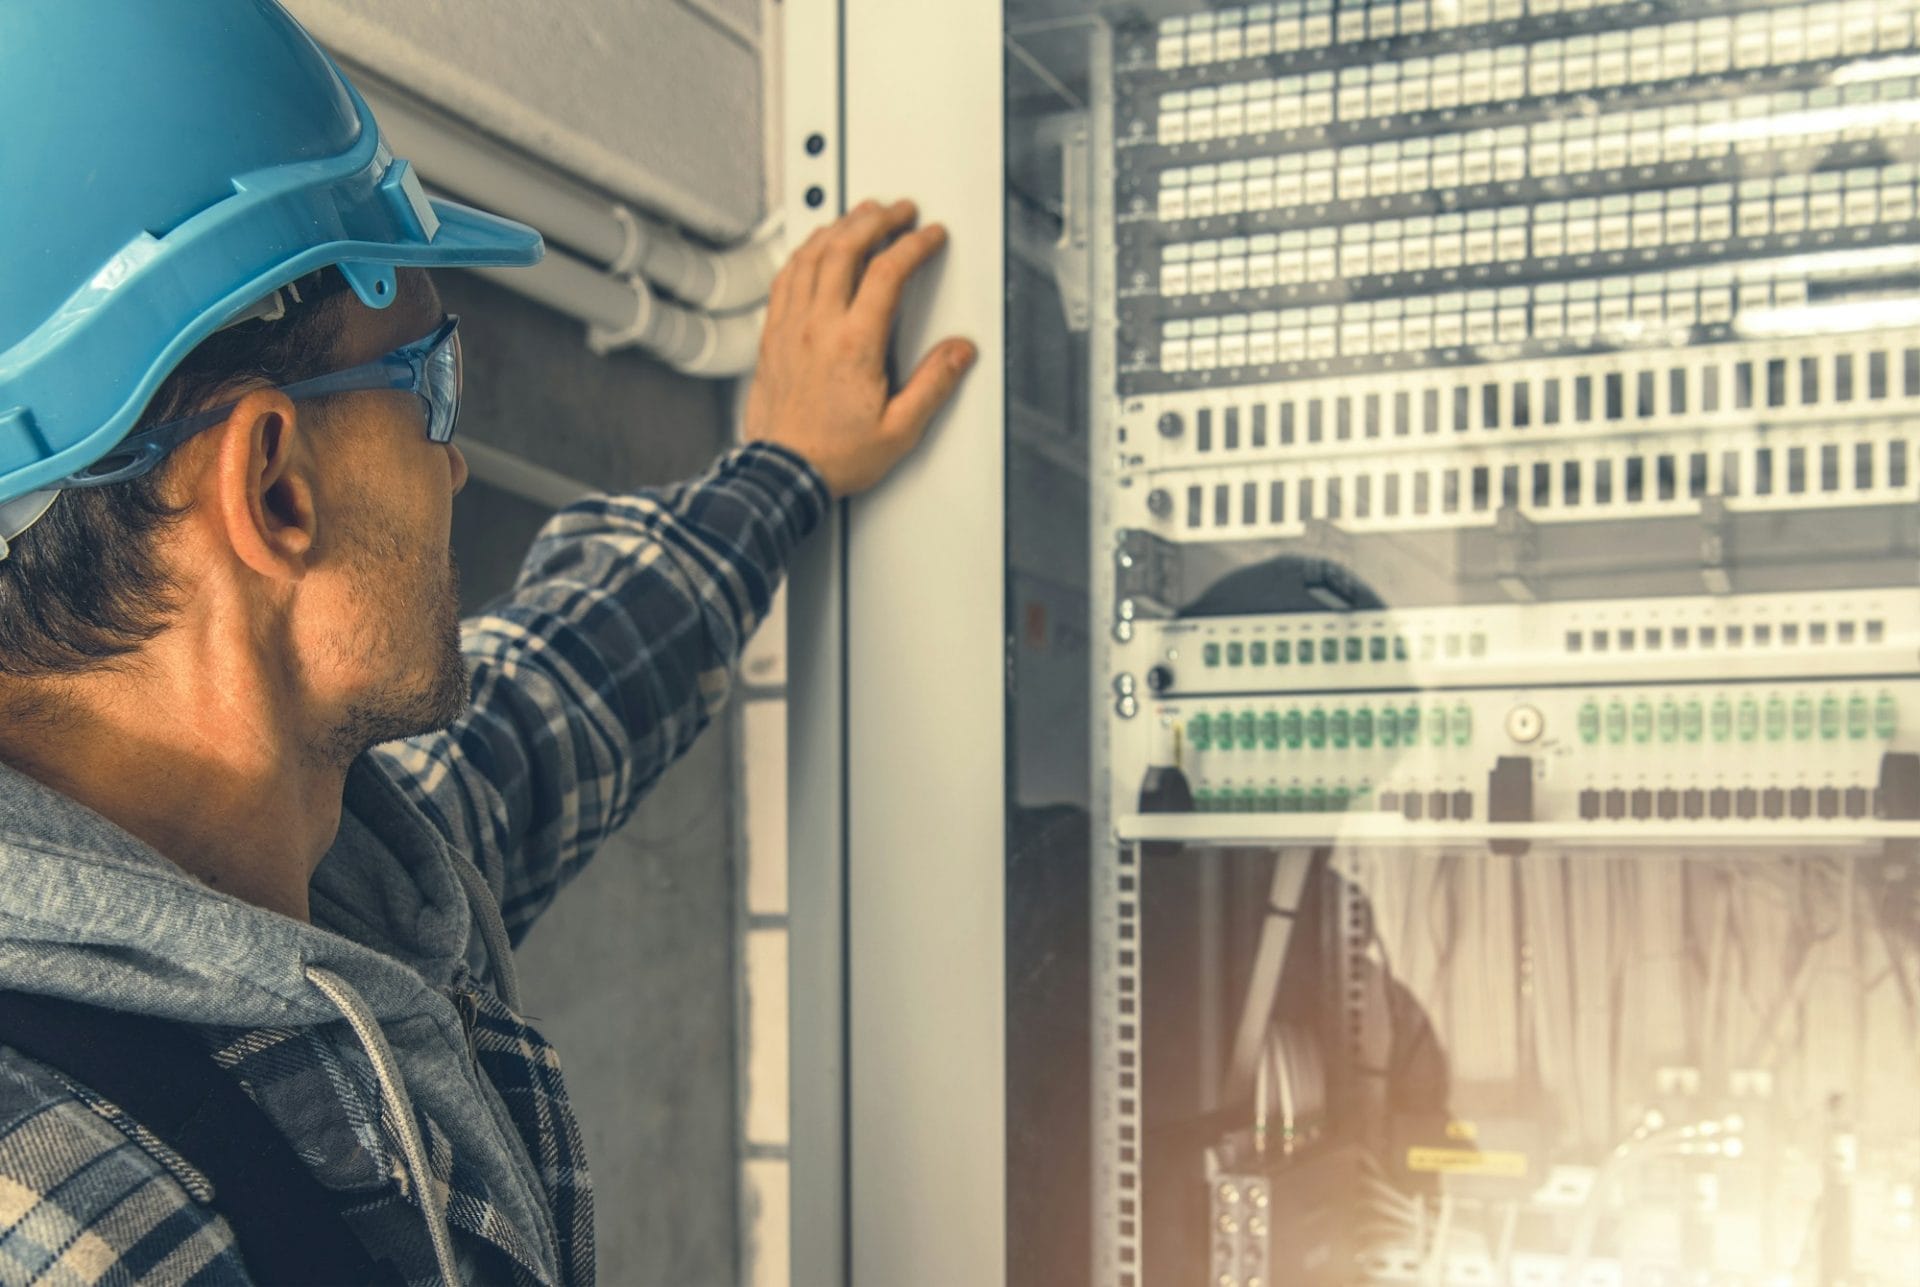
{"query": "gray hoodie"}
(382, 1038)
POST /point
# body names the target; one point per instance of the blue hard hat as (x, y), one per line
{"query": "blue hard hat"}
(168, 164)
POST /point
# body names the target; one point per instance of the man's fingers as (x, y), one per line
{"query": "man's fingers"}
(887, 277)
(933, 383)
(854, 240)
(803, 268)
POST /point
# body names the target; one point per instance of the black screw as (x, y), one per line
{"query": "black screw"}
(816, 144)
(816, 197)
(1171, 425)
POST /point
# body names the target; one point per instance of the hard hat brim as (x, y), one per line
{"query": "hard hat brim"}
(155, 301)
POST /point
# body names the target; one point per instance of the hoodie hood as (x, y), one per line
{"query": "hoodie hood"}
(89, 912)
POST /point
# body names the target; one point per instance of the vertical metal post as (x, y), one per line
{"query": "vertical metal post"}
(814, 170)
(926, 640)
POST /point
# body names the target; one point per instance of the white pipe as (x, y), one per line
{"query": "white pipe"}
(510, 473)
(623, 313)
(451, 156)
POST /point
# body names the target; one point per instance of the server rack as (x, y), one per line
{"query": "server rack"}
(1452, 661)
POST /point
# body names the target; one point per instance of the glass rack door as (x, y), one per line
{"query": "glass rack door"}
(1463, 724)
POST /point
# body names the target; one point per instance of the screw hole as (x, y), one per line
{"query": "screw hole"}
(816, 197)
(816, 144)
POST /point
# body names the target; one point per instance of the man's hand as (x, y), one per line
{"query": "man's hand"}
(821, 385)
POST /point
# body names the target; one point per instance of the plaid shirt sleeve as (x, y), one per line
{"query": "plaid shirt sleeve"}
(597, 672)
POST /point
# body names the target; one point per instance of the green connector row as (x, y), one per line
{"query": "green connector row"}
(1276, 799)
(1304, 652)
(1348, 648)
(1336, 728)
(1747, 720)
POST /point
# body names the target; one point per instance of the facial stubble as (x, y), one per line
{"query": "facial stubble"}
(405, 705)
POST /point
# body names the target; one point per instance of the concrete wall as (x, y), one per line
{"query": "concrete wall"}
(631, 973)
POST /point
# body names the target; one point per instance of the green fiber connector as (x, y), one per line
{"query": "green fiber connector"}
(1377, 648)
(1859, 716)
(1886, 717)
(1363, 728)
(1776, 719)
(1246, 800)
(1462, 721)
(1410, 726)
(1802, 718)
(1338, 799)
(1293, 800)
(1317, 729)
(1642, 721)
(1356, 648)
(1293, 730)
(1330, 650)
(1200, 733)
(1399, 647)
(1257, 653)
(1436, 725)
(1749, 723)
(1282, 652)
(1223, 730)
(1316, 800)
(1831, 718)
(1236, 654)
(1692, 721)
(1388, 725)
(1667, 721)
(1616, 722)
(1270, 799)
(1246, 734)
(1304, 653)
(1211, 654)
(1203, 801)
(1589, 722)
(1270, 730)
(1721, 719)
(1338, 732)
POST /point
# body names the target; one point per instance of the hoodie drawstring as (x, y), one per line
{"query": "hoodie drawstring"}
(393, 1092)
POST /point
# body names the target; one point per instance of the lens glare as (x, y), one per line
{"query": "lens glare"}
(443, 378)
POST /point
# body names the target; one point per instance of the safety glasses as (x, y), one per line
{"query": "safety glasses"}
(430, 368)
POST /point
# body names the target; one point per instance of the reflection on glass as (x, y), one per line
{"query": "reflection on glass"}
(1464, 621)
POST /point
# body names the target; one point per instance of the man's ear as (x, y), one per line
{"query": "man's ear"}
(264, 497)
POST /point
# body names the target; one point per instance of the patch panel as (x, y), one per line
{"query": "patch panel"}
(1599, 315)
(1602, 480)
(1676, 220)
(1817, 381)
(1762, 35)
(1620, 754)
(1796, 131)
(1694, 640)
(1544, 72)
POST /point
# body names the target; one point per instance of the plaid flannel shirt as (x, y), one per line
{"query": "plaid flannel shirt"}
(601, 667)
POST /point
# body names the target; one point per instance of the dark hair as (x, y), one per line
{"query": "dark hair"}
(85, 586)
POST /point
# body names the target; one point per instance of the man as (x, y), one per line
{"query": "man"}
(226, 589)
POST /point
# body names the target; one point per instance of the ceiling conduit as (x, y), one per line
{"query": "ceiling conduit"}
(617, 254)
